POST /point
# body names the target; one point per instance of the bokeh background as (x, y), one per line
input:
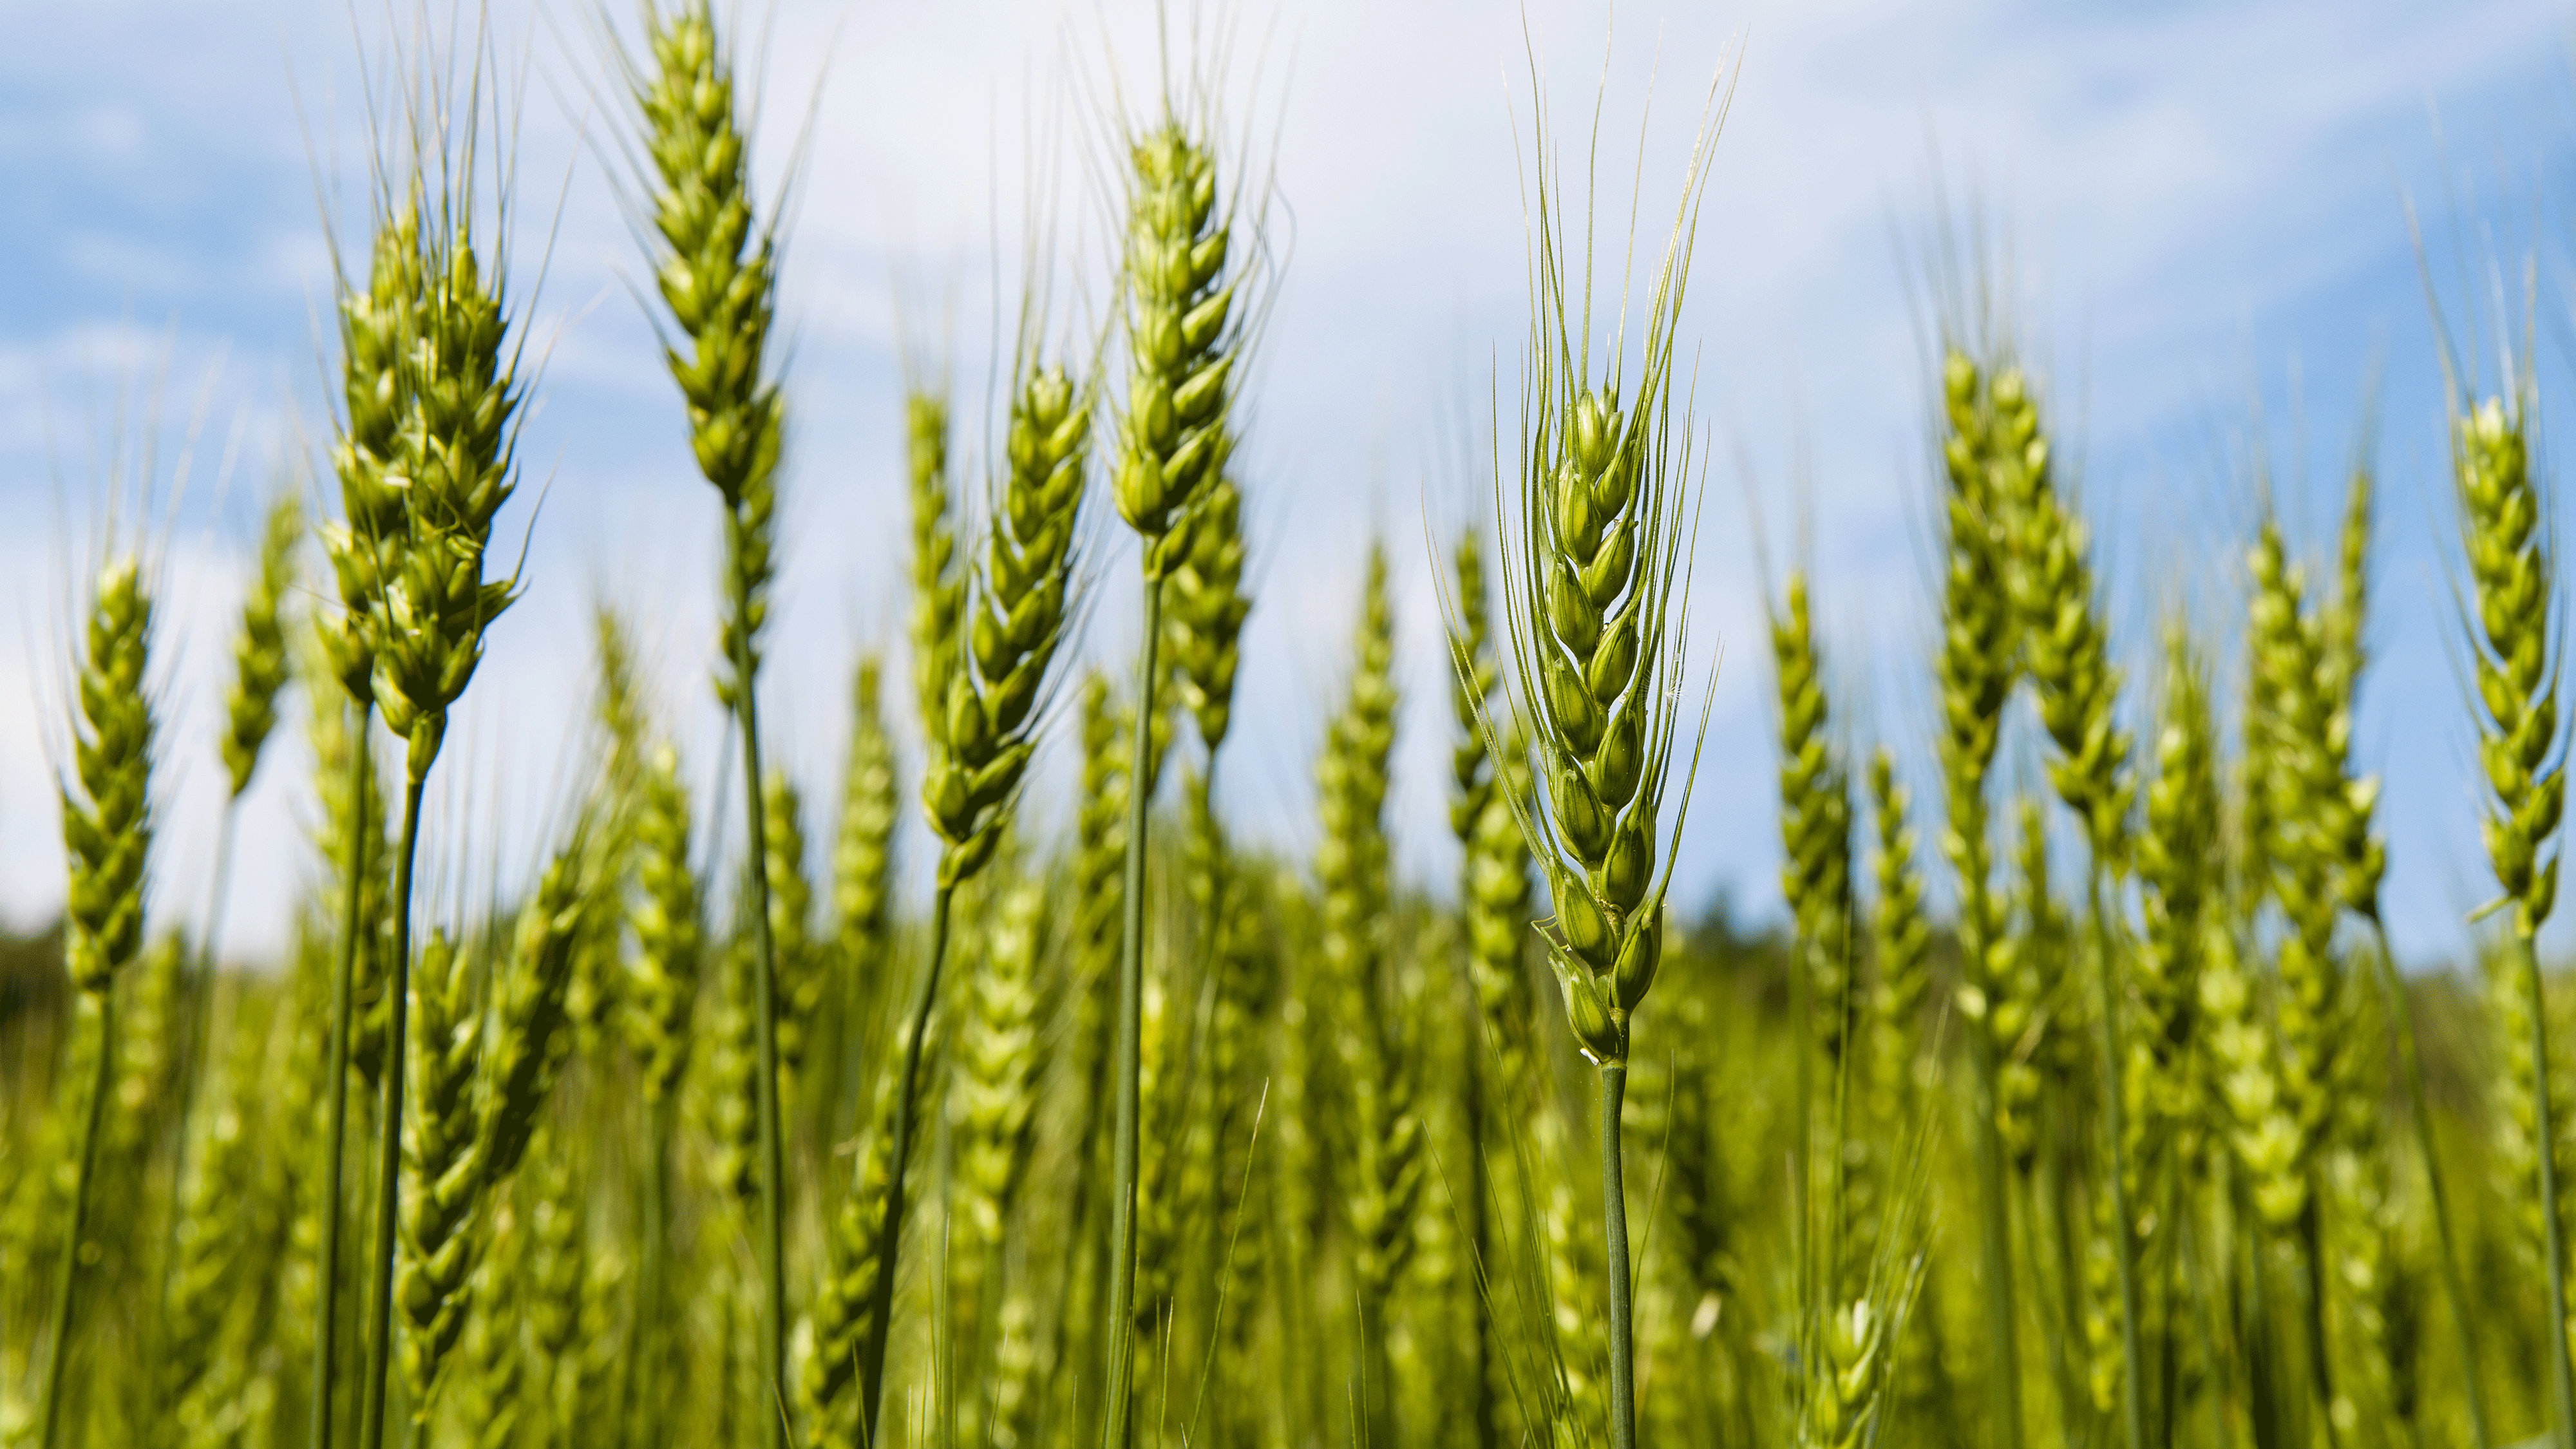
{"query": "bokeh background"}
(2222, 231)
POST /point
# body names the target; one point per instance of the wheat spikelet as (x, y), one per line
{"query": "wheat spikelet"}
(106, 803)
(619, 706)
(260, 664)
(725, 1102)
(377, 384)
(445, 1192)
(938, 572)
(1208, 605)
(843, 1316)
(107, 834)
(455, 458)
(662, 977)
(2308, 801)
(561, 1311)
(1815, 826)
(1017, 608)
(1372, 1044)
(1173, 441)
(2177, 859)
(528, 1049)
(1000, 1058)
(494, 1359)
(800, 969)
(1975, 667)
(1900, 940)
(863, 850)
(716, 270)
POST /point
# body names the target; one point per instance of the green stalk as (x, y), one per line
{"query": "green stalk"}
(2419, 1106)
(2562, 1380)
(380, 1337)
(890, 1233)
(773, 1215)
(1131, 1002)
(2133, 1421)
(2001, 1326)
(58, 1354)
(1614, 1222)
(326, 1327)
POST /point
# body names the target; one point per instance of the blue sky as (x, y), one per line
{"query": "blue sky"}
(2205, 207)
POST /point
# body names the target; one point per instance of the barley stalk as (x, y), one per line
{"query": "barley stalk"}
(2512, 565)
(107, 833)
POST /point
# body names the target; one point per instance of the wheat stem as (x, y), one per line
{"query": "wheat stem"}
(890, 1234)
(58, 1350)
(380, 1331)
(326, 1324)
(1131, 1000)
(1614, 1219)
(773, 1263)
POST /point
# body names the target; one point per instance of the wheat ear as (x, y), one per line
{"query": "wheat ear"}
(377, 324)
(457, 456)
(2512, 565)
(107, 833)
(863, 853)
(1000, 1057)
(1371, 1042)
(1019, 604)
(1184, 338)
(1975, 668)
(1492, 941)
(1597, 544)
(716, 267)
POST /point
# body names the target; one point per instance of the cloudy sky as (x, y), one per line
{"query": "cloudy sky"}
(2204, 208)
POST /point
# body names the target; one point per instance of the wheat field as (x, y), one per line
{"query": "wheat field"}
(2082, 1106)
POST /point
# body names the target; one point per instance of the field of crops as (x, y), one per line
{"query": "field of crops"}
(709, 1133)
